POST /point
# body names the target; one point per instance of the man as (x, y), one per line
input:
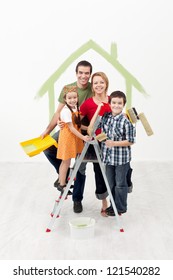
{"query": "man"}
(83, 74)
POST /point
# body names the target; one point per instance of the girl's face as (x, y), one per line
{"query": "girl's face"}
(117, 105)
(71, 99)
(98, 85)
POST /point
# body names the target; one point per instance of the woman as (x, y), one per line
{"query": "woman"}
(99, 84)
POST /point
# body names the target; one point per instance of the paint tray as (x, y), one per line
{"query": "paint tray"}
(35, 146)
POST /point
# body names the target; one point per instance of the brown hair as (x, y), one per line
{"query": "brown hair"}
(85, 64)
(118, 94)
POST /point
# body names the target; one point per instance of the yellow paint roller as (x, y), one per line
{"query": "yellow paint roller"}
(101, 137)
(145, 124)
(134, 117)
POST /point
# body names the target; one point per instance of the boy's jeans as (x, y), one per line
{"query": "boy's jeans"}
(117, 179)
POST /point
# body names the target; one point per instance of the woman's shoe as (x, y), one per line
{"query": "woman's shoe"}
(110, 211)
(103, 213)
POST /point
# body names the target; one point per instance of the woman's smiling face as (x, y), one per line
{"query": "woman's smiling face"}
(99, 85)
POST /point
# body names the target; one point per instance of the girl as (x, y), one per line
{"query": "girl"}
(70, 141)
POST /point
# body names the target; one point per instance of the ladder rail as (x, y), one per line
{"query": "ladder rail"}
(59, 204)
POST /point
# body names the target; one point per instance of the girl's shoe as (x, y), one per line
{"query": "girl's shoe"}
(61, 188)
(56, 183)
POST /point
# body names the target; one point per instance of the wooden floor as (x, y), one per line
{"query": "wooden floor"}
(27, 197)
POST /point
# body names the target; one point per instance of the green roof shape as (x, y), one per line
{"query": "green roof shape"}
(130, 80)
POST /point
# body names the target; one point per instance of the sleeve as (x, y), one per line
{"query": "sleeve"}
(100, 122)
(83, 108)
(130, 132)
(66, 115)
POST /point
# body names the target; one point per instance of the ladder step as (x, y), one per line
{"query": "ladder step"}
(90, 160)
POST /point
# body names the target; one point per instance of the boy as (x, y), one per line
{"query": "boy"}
(116, 150)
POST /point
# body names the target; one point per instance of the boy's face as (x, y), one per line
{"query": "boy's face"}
(117, 105)
(83, 75)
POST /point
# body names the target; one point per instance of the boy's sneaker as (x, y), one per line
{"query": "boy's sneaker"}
(130, 188)
(77, 207)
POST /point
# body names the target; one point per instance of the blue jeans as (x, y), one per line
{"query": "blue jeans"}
(79, 183)
(51, 152)
(101, 190)
(117, 179)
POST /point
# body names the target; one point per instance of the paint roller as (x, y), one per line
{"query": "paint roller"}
(91, 130)
(134, 117)
(101, 137)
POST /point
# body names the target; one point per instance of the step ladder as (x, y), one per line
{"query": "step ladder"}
(81, 158)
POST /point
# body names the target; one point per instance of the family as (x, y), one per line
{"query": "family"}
(80, 103)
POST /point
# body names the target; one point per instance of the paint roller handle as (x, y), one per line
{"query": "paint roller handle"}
(145, 124)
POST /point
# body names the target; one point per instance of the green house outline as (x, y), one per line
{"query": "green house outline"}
(130, 80)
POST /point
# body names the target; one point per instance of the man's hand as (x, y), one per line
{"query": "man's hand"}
(44, 134)
(61, 124)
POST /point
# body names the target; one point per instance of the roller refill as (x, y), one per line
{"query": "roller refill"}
(145, 124)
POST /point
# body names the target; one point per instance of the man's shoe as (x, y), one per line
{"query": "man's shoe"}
(77, 207)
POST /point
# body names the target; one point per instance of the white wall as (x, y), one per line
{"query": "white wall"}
(38, 35)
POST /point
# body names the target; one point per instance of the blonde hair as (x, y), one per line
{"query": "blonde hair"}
(103, 76)
(68, 89)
